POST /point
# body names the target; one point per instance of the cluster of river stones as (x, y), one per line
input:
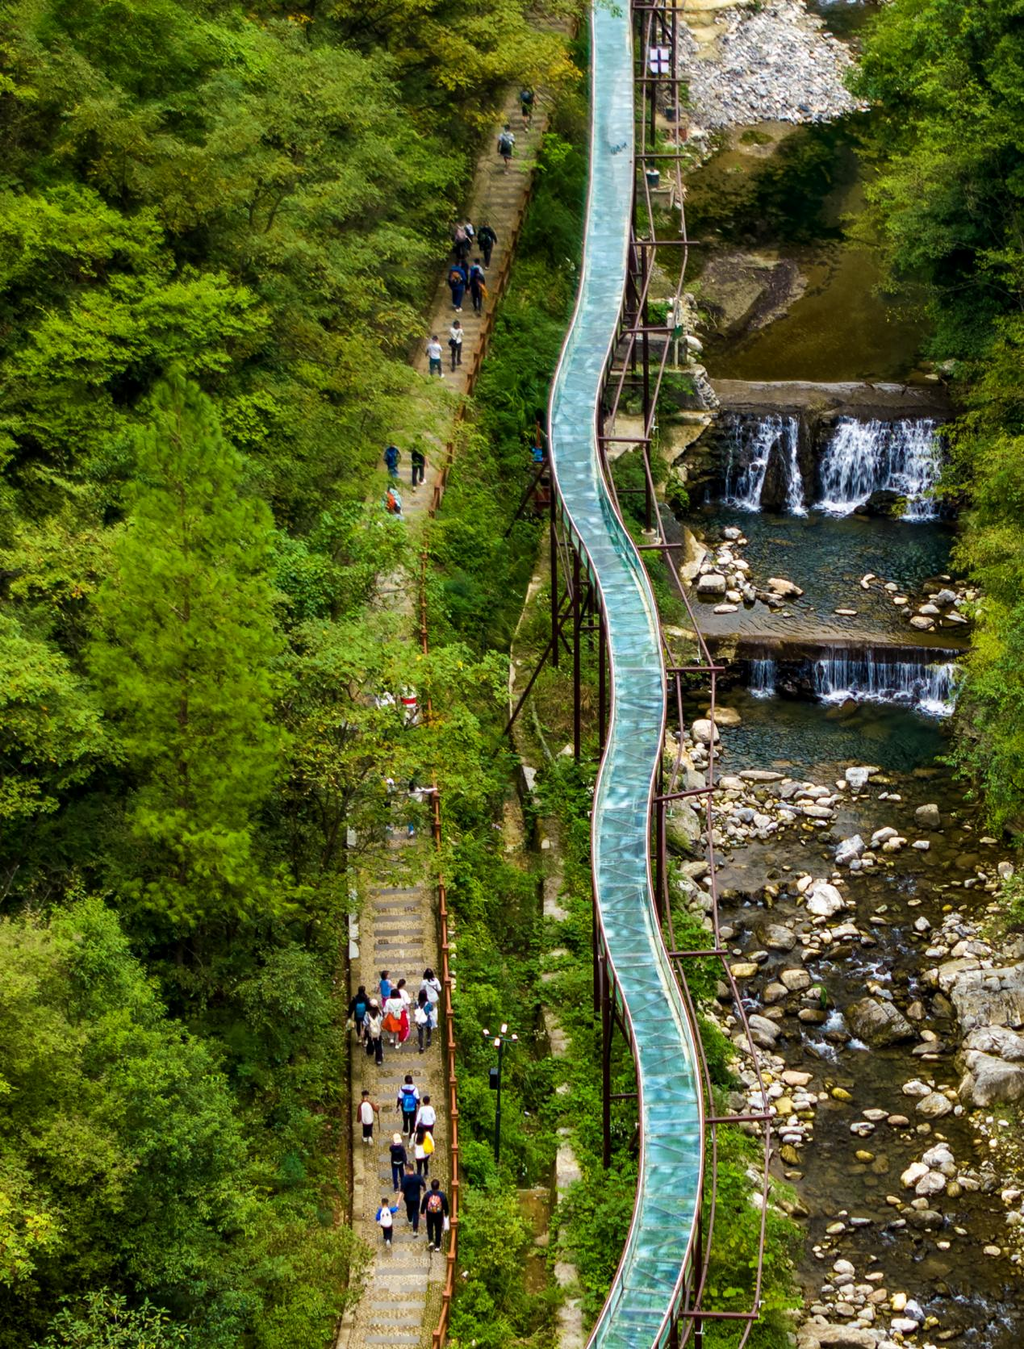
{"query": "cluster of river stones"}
(721, 573)
(774, 63)
(969, 1070)
(721, 576)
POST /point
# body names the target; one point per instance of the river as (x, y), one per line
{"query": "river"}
(832, 678)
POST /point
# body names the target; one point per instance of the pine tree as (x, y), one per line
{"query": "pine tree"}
(186, 660)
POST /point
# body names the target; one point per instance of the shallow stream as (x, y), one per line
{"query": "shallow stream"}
(840, 328)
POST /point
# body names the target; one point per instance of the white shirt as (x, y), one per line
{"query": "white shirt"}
(365, 1112)
(386, 1218)
(427, 1116)
(456, 335)
(434, 350)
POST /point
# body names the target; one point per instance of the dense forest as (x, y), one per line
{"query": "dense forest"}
(949, 199)
(219, 227)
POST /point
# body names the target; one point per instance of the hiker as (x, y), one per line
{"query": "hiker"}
(426, 1116)
(406, 997)
(526, 104)
(399, 1159)
(385, 1220)
(384, 986)
(408, 1103)
(393, 1010)
(413, 1185)
(366, 1111)
(392, 502)
(506, 144)
(457, 279)
(422, 1149)
(461, 241)
(375, 1033)
(455, 336)
(391, 457)
(435, 1207)
(486, 238)
(434, 356)
(357, 1010)
(424, 1018)
(477, 286)
(419, 465)
(432, 984)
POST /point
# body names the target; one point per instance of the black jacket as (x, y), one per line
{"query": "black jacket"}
(441, 1195)
(411, 1186)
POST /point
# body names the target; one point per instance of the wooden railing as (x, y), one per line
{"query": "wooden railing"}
(447, 1026)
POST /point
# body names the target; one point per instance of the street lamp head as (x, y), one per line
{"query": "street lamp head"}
(486, 1032)
(497, 1041)
(515, 1038)
(504, 1027)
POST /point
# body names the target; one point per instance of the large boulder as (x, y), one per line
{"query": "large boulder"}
(825, 1335)
(928, 816)
(984, 998)
(824, 900)
(704, 731)
(878, 1023)
(711, 583)
(683, 829)
(788, 590)
(993, 1060)
(882, 502)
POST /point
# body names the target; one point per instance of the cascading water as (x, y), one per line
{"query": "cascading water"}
(762, 678)
(751, 442)
(866, 457)
(868, 676)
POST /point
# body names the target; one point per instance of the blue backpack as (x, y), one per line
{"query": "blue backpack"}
(409, 1100)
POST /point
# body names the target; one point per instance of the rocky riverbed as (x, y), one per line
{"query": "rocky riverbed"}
(776, 63)
(887, 1011)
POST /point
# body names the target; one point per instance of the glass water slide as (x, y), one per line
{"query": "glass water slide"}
(647, 1287)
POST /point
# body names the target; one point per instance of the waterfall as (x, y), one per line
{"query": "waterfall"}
(794, 480)
(869, 676)
(866, 457)
(751, 442)
(762, 677)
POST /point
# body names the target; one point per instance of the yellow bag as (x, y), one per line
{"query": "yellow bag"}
(428, 1143)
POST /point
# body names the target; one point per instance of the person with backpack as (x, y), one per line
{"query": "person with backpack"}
(526, 104)
(399, 1159)
(385, 1220)
(366, 1111)
(506, 145)
(432, 984)
(423, 1149)
(357, 1010)
(424, 1018)
(375, 1034)
(486, 238)
(461, 240)
(413, 1185)
(419, 465)
(393, 1010)
(435, 1209)
(434, 356)
(426, 1116)
(391, 457)
(408, 1103)
(392, 502)
(457, 279)
(477, 286)
(455, 336)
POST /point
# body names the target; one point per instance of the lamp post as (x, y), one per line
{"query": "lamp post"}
(495, 1079)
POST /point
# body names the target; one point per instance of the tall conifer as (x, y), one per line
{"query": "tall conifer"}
(185, 658)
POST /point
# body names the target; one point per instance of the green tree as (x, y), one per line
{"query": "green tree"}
(185, 663)
(120, 1154)
(104, 1320)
